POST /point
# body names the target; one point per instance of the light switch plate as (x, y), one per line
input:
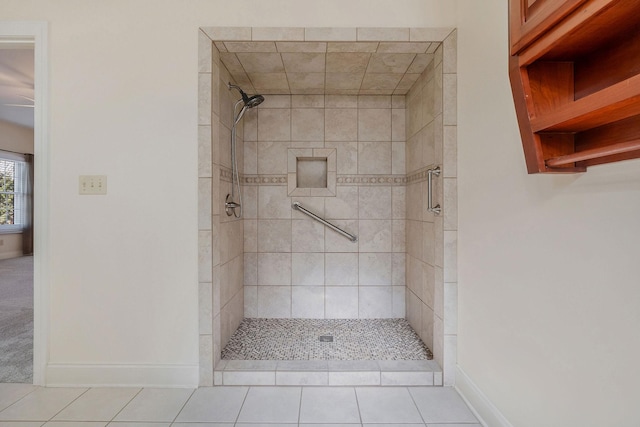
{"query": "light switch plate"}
(93, 184)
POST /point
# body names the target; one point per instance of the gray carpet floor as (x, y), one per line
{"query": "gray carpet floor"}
(16, 320)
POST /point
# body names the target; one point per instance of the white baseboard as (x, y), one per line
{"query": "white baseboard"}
(66, 375)
(12, 254)
(479, 403)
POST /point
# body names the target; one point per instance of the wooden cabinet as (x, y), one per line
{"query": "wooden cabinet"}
(530, 18)
(575, 77)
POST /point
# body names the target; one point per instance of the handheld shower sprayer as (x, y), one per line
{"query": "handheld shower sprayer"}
(249, 102)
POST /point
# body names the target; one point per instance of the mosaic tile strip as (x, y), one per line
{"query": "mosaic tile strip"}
(372, 180)
(387, 180)
(263, 179)
(299, 339)
(225, 174)
(420, 175)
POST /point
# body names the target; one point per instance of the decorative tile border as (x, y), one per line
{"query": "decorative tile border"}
(225, 174)
(393, 180)
(263, 179)
(420, 175)
(369, 180)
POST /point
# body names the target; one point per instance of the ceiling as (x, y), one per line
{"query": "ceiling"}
(341, 68)
(16, 84)
(335, 68)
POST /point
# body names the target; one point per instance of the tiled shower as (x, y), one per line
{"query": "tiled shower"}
(275, 262)
(296, 267)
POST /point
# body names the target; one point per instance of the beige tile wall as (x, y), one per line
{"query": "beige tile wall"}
(432, 239)
(231, 229)
(423, 116)
(296, 267)
(221, 292)
(205, 196)
(446, 308)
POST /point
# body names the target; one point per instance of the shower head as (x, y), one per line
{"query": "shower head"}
(249, 101)
(253, 101)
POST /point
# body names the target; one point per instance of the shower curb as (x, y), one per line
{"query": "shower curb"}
(328, 373)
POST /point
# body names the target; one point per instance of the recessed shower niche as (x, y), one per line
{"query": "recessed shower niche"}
(352, 120)
(311, 172)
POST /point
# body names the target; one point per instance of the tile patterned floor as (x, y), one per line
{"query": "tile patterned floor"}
(29, 406)
(299, 339)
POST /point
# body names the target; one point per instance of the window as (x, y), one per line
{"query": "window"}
(12, 194)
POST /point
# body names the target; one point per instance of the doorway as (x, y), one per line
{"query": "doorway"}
(34, 35)
(16, 213)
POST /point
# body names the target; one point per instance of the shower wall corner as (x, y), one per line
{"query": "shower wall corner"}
(220, 261)
(432, 239)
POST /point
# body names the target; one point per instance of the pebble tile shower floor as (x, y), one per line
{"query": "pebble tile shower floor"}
(300, 339)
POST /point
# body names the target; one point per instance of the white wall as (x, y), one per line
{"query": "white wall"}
(15, 137)
(548, 265)
(123, 81)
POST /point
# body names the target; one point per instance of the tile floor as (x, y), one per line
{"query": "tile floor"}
(24, 405)
(351, 339)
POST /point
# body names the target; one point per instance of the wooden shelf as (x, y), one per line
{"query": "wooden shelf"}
(588, 29)
(576, 82)
(609, 105)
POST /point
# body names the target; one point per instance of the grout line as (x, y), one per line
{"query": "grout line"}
(183, 405)
(69, 404)
(358, 404)
(300, 405)
(415, 404)
(32, 391)
(126, 404)
(242, 405)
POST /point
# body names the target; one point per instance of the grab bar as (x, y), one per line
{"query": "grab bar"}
(298, 206)
(435, 209)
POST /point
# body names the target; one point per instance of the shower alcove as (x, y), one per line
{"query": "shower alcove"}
(370, 110)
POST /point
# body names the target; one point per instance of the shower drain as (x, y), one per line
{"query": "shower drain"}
(326, 338)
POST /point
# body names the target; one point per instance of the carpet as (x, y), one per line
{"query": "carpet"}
(16, 320)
